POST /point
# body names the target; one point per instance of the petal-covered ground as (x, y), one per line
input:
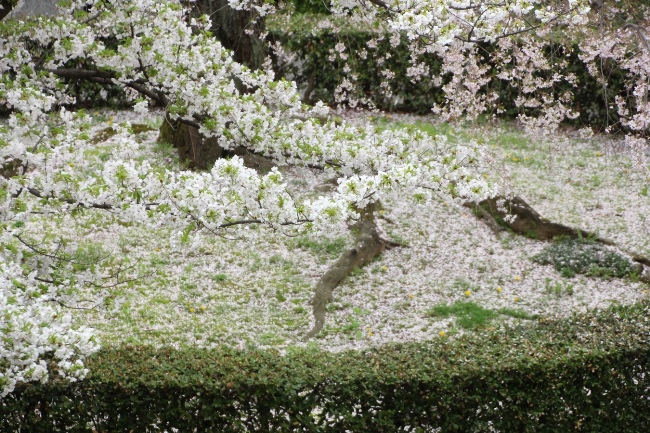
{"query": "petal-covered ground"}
(451, 275)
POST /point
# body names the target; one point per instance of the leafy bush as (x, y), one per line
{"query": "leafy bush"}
(580, 256)
(590, 373)
(313, 68)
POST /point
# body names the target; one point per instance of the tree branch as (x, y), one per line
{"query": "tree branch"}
(81, 74)
(37, 193)
(368, 245)
(640, 33)
(256, 221)
(105, 77)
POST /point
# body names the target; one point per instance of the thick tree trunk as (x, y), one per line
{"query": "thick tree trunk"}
(200, 152)
(239, 31)
(193, 148)
(368, 245)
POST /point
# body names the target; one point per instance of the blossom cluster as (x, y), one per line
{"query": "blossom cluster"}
(36, 333)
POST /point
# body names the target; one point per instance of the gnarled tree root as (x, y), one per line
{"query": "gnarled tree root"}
(368, 245)
(529, 223)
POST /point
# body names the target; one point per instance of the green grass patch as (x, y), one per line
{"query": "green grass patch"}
(318, 247)
(219, 278)
(453, 134)
(513, 141)
(88, 256)
(470, 315)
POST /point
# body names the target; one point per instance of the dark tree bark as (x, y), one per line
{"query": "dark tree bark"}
(527, 222)
(199, 152)
(239, 31)
(7, 6)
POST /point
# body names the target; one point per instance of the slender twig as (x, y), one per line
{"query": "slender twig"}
(105, 206)
(639, 32)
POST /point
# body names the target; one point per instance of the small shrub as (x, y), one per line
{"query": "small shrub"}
(559, 288)
(580, 256)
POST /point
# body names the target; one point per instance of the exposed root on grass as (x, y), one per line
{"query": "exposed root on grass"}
(368, 244)
(529, 223)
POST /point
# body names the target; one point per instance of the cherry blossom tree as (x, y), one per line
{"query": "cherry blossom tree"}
(161, 55)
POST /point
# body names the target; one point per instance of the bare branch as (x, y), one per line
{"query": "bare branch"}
(476, 6)
(639, 32)
(36, 193)
(257, 221)
(105, 77)
(81, 74)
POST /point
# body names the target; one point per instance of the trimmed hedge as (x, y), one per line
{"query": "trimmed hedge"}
(313, 47)
(590, 373)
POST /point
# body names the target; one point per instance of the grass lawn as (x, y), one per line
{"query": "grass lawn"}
(452, 276)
